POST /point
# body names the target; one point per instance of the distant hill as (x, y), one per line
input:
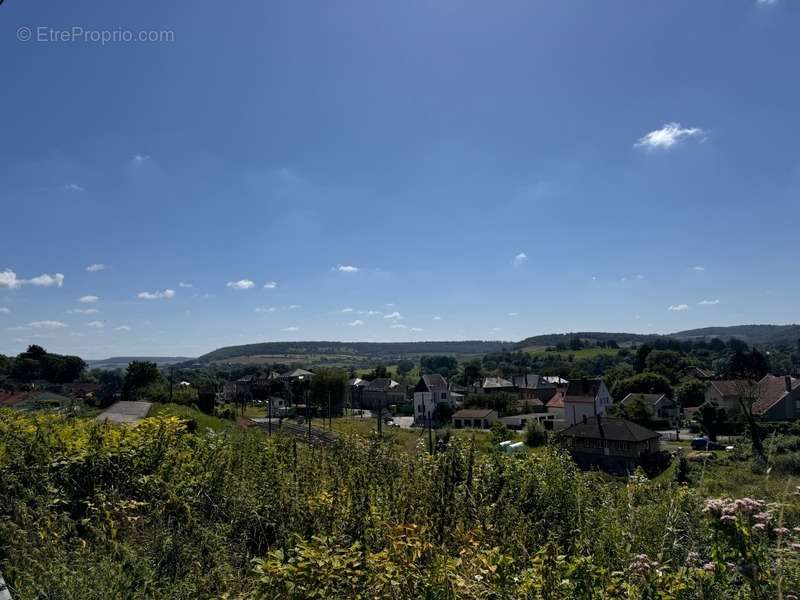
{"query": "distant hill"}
(347, 352)
(552, 339)
(121, 362)
(767, 335)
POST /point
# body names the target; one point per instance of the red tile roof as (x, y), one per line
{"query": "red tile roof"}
(771, 390)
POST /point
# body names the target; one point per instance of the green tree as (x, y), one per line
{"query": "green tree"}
(668, 363)
(404, 367)
(640, 359)
(535, 434)
(691, 392)
(643, 383)
(328, 386)
(139, 376)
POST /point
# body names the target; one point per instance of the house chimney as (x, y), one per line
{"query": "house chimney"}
(788, 381)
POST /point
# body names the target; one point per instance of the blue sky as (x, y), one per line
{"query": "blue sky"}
(394, 171)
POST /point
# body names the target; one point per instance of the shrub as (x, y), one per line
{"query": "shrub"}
(535, 435)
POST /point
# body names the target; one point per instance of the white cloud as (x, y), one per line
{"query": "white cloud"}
(73, 187)
(347, 310)
(184, 285)
(292, 328)
(122, 328)
(270, 285)
(708, 302)
(698, 269)
(166, 294)
(372, 313)
(47, 325)
(45, 280)
(766, 2)
(263, 309)
(394, 315)
(640, 277)
(678, 307)
(83, 311)
(242, 284)
(520, 258)
(417, 329)
(88, 299)
(356, 323)
(293, 306)
(398, 326)
(96, 324)
(9, 280)
(347, 269)
(95, 268)
(512, 314)
(4, 310)
(138, 159)
(437, 318)
(669, 135)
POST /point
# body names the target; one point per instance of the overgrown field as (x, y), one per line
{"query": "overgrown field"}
(94, 511)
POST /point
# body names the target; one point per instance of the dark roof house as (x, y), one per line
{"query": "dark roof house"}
(608, 443)
(433, 382)
(778, 398)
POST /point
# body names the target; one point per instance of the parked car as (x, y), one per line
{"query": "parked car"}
(702, 443)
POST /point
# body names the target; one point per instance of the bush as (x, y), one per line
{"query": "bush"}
(535, 435)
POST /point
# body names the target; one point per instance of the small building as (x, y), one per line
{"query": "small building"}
(778, 398)
(379, 393)
(659, 406)
(521, 421)
(494, 385)
(555, 406)
(698, 373)
(725, 393)
(474, 418)
(611, 444)
(586, 398)
(430, 393)
(355, 392)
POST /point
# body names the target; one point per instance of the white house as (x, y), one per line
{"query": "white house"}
(429, 393)
(585, 398)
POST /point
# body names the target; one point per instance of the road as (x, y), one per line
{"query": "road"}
(125, 412)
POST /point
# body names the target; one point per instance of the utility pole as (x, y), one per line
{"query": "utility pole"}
(330, 414)
(269, 417)
(308, 415)
(171, 374)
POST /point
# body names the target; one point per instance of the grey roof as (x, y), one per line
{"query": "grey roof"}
(529, 381)
(300, 373)
(496, 382)
(610, 429)
(649, 399)
(473, 413)
(381, 384)
(433, 382)
(584, 387)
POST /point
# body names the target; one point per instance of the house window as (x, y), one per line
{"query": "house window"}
(444, 395)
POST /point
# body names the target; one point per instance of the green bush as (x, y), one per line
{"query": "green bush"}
(535, 435)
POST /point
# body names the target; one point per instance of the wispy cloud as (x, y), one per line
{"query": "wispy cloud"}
(708, 302)
(394, 315)
(270, 285)
(698, 269)
(512, 314)
(398, 326)
(164, 295)
(5, 310)
(267, 309)
(139, 159)
(292, 328)
(10, 281)
(669, 135)
(416, 329)
(122, 328)
(293, 306)
(766, 2)
(347, 310)
(88, 299)
(356, 323)
(96, 324)
(347, 269)
(520, 259)
(83, 311)
(47, 325)
(95, 268)
(73, 187)
(437, 318)
(242, 284)
(184, 285)
(678, 307)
